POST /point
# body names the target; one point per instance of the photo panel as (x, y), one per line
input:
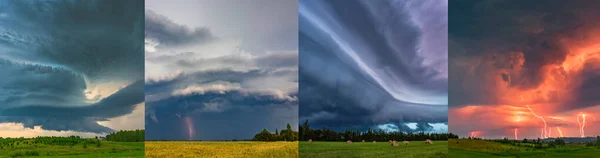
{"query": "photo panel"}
(524, 78)
(373, 78)
(72, 78)
(221, 78)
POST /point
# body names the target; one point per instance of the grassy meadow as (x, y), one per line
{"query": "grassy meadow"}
(221, 149)
(106, 149)
(415, 149)
(472, 148)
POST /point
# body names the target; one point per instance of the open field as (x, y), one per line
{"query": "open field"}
(480, 148)
(162, 149)
(415, 149)
(107, 149)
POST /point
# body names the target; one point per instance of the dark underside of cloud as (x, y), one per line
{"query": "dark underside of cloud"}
(489, 31)
(53, 51)
(340, 93)
(215, 115)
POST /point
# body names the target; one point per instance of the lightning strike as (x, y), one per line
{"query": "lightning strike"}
(559, 131)
(189, 124)
(544, 133)
(581, 124)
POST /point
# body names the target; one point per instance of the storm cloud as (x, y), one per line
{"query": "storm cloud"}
(68, 64)
(366, 64)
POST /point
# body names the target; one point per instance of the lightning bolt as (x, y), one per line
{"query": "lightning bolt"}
(516, 134)
(544, 133)
(559, 132)
(188, 122)
(581, 124)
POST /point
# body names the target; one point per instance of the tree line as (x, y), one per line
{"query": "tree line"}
(325, 134)
(595, 143)
(127, 136)
(44, 140)
(285, 135)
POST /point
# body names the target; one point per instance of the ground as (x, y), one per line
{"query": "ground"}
(107, 149)
(198, 149)
(469, 148)
(415, 149)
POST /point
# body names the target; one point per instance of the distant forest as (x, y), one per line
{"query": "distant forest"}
(325, 134)
(121, 136)
(285, 135)
(126, 136)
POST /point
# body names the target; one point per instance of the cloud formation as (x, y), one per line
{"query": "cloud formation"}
(370, 63)
(70, 64)
(203, 86)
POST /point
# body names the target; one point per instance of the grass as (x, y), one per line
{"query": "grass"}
(416, 149)
(166, 149)
(480, 148)
(107, 149)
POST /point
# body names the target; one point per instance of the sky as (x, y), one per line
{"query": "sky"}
(220, 69)
(527, 69)
(374, 64)
(70, 67)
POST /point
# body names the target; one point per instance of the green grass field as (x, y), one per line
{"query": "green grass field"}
(166, 149)
(107, 149)
(469, 148)
(415, 149)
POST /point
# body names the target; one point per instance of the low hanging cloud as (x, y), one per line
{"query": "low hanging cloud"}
(197, 82)
(381, 64)
(70, 64)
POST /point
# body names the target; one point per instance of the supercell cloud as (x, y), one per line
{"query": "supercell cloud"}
(374, 64)
(67, 65)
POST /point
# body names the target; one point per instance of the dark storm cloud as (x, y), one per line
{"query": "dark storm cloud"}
(488, 33)
(54, 52)
(118, 104)
(216, 108)
(368, 64)
(162, 29)
(61, 123)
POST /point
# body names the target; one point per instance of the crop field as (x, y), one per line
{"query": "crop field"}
(415, 149)
(221, 149)
(106, 149)
(468, 148)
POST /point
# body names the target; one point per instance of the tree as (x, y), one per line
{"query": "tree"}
(126, 136)
(525, 140)
(264, 135)
(277, 137)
